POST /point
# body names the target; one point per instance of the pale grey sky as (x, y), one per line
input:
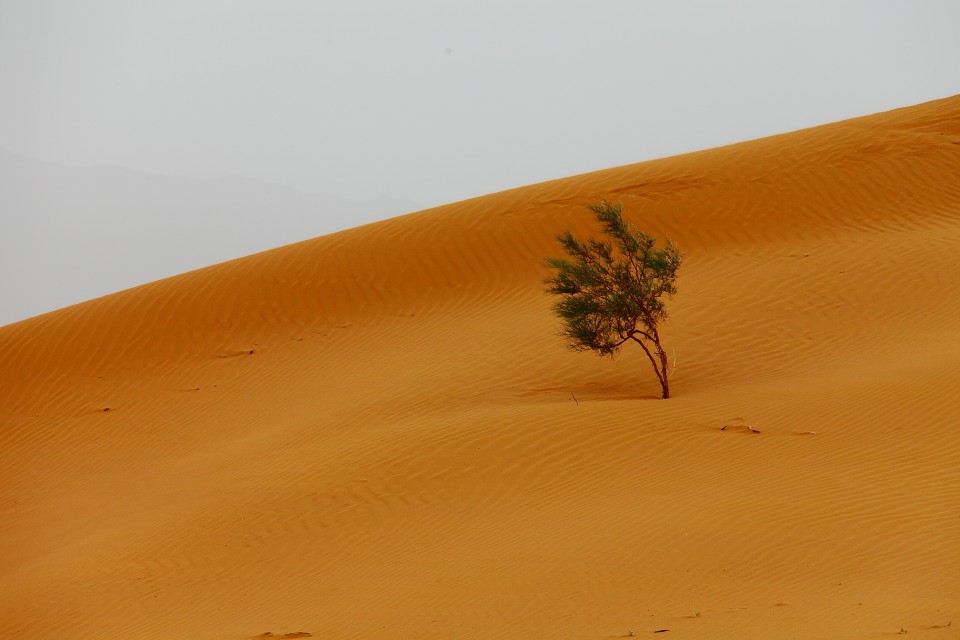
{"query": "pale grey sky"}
(439, 100)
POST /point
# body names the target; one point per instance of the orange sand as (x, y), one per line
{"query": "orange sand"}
(374, 433)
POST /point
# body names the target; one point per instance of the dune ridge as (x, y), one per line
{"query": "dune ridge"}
(378, 431)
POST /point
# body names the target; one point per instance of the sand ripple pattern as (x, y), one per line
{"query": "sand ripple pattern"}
(378, 433)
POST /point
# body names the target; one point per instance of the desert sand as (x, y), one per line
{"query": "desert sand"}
(379, 433)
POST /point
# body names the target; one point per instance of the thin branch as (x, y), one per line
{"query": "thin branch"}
(653, 361)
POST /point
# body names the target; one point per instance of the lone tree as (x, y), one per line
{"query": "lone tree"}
(611, 290)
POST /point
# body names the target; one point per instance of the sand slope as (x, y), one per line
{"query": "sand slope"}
(377, 433)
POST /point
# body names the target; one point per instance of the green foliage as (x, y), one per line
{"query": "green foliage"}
(612, 289)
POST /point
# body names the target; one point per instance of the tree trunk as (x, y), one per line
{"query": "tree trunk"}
(661, 371)
(665, 373)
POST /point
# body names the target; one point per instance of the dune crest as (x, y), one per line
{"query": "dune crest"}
(379, 432)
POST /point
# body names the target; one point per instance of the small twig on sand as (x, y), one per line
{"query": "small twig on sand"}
(574, 398)
(748, 427)
(940, 626)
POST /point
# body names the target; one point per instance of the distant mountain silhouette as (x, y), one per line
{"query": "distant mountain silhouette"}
(68, 234)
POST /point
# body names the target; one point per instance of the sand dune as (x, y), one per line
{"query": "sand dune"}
(378, 432)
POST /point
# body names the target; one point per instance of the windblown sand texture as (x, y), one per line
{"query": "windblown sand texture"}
(378, 433)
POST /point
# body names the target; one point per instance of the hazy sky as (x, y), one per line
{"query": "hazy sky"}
(437, 101)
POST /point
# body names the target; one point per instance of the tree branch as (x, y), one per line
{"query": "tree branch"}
(653, 361)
